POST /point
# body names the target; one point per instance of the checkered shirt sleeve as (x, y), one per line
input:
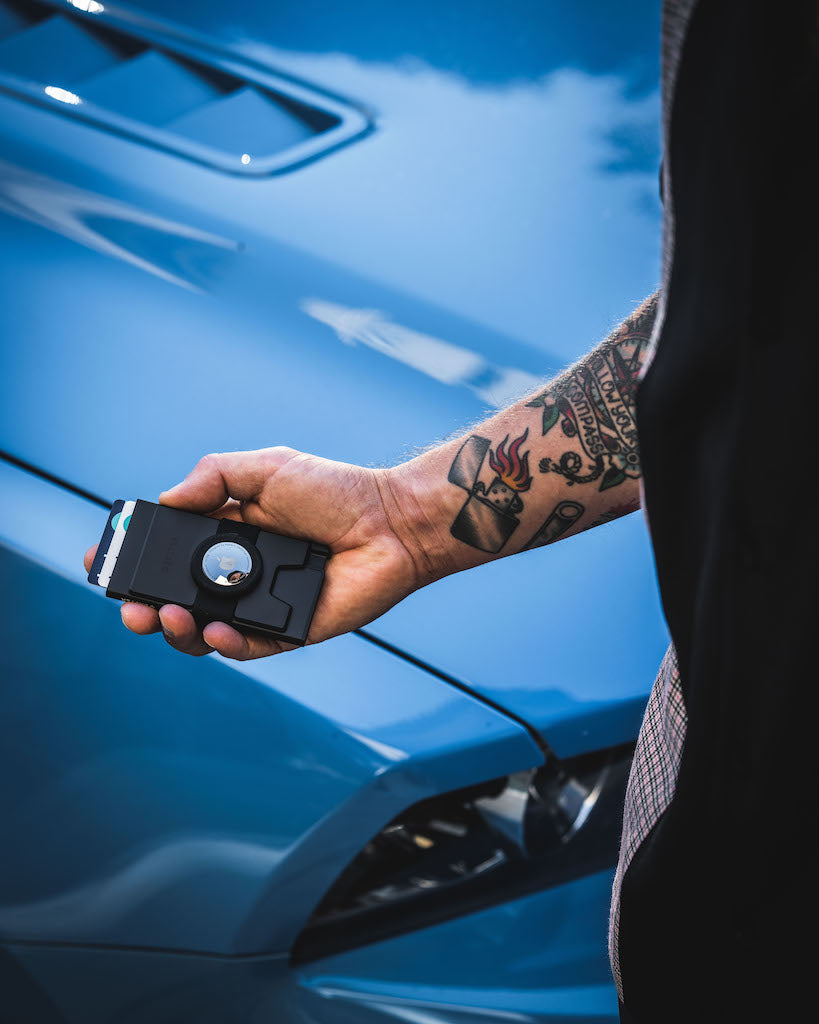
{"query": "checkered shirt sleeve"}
(652, 780)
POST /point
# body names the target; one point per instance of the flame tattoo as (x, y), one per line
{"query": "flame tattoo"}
(512, 469)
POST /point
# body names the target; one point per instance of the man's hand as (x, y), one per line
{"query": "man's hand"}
(284, 491)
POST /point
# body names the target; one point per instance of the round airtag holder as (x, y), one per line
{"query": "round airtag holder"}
(227, 565)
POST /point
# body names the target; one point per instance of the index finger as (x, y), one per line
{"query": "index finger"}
(215, 478)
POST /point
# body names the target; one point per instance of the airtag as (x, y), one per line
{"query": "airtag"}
(227, 563)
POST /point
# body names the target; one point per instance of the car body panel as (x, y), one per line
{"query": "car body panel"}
(538, 960)
(327, 309)
(567, 636)
(173, 800)
(529, 143)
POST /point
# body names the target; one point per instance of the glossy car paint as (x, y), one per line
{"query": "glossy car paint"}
(527, 961)
(186, 794)
(295, 291)
(498, 218)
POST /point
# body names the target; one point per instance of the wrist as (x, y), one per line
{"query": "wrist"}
(416, 497)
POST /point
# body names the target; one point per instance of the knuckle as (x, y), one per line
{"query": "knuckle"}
(189, 648)
(208, 461)
(242, 652)
(281, 453)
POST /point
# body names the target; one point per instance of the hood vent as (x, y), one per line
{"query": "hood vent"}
(164, 90)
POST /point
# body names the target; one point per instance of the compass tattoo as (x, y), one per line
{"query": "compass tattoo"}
(593, 406)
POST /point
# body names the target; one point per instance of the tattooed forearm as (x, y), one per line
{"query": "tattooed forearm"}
(585, 439)
(592, 406)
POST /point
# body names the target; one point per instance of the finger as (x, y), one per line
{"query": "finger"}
(181, 632)
(230, 643)
(215, 478)
(88, 559)
(230, 510)
(139, 618)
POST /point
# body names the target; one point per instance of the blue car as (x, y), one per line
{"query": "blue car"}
(353, 229)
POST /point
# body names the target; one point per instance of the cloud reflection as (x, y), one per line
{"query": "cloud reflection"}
(178, 253)
(439, 359)
(530, 207)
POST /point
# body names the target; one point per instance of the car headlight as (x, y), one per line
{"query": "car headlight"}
(460, 851)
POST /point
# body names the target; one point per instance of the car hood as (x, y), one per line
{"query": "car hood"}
(497, 218)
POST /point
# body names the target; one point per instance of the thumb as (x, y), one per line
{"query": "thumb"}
(215, 478)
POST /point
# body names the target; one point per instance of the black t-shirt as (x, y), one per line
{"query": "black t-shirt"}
(715, 916)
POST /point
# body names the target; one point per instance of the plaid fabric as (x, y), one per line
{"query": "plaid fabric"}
(651, 781)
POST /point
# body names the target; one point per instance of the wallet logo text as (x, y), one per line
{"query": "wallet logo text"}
(167, 561)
